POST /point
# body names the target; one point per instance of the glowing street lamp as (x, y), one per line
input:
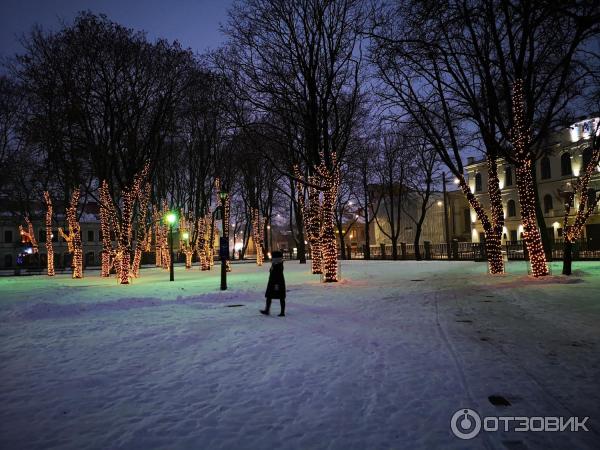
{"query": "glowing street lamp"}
(171, 219)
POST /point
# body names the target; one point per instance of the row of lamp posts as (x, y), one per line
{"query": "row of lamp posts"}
(171, 219)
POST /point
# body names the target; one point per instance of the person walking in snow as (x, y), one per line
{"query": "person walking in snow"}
(276, 284)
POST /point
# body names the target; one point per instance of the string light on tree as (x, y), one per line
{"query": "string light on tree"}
(490, 227)
(257, 235)
(525, 185)
(49, 235)
(28, 237)
(107, 250)
(572, 230)
(73, 238)
(144, 231)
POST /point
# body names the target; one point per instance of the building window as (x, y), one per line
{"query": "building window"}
(7, 261)
(587, 157)
(513, 235)
(90, 235)
(565, 164)
(8, 237)
(467, 219)
(508, 176)
(545, 168)
(548, 203)
(559, 232)
(478, 185)
(511, 208)
(89, 259)
(591, 197)
(54, 235)
(42, 235)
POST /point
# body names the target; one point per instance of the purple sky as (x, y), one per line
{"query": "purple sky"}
(194, 23)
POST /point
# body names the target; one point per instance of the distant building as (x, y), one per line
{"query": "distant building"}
(11, 245)
(568, 153)
(433, 229)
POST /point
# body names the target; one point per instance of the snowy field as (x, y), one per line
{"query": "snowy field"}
(381, 360)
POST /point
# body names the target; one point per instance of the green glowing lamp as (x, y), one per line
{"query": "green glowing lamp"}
(171, 218)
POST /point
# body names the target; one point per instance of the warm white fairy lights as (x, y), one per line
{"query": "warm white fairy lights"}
(572, 231)
(525, 185)
(318, 216)
(49, 235)
(143, 230)
(105, 227)
(29, 235)
(120, 258)
(73, 238)
(490, 226)
(257, 235)
(186, 242)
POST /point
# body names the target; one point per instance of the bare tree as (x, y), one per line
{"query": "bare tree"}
(420, 183)
(345, 209)
(588, 199)
(364, 165)
(300, 61)
(392, 173)
(474, 52)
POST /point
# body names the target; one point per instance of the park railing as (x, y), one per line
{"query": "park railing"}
(458, 251)
(583, 249)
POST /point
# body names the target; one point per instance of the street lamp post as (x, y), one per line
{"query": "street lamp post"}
(270, 246)
(223, 195)
(171, 218)
(446, 227)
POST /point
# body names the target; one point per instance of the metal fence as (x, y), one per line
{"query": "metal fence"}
(459, 251)
(582, 250)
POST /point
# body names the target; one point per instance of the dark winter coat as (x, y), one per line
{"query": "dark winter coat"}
(276, 284)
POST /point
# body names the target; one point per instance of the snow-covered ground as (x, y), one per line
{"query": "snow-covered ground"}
(380, 360)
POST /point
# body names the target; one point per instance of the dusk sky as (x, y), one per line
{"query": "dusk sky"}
(194, 23)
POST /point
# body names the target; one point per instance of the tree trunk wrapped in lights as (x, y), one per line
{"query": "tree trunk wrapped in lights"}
(572, 231)
(49, 236)
(143, 245)
(319, 218)
(105, 226)
(490, 226)
(257, 235)
(203, 241)
(138, 192)
(210, 255)
(144, 232)
(73, 238)
(525, 185)
(493, 237)
(29, 235)
(311, 217)
(186, 242)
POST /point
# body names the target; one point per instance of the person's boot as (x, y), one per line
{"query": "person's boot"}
(267, 308)
(282, 313)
